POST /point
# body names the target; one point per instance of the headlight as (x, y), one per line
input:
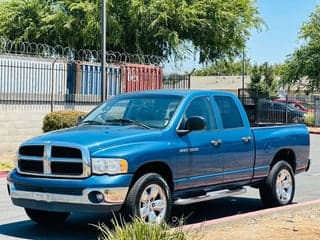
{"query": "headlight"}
(109, 165)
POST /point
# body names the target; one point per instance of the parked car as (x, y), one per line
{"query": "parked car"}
(298, 104)
(143, 152)
(276, 112)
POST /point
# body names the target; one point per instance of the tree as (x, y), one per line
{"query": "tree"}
(302, 66)
(263, 81)
(217, 29)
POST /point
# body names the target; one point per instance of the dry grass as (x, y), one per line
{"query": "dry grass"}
(6, 161)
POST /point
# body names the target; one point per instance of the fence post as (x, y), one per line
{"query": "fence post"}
(52, 84)
(286, 108)
(189, 78)
(103, 50)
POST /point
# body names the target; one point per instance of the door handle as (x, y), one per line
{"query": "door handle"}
(246, 139)
(216, 142)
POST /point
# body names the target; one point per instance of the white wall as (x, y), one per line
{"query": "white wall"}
(20, 123)
(17, 126)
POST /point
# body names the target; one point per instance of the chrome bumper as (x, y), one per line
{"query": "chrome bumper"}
(107, 197)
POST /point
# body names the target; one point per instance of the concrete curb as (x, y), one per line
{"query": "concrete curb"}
(3, 174)
(314, 130)
(252, 214)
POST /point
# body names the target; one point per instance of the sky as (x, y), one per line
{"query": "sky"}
(284, 19)
(279, 38)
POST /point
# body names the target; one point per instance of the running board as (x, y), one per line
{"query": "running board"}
(210, 196)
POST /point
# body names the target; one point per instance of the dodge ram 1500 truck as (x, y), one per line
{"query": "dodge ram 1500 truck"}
(143, 152)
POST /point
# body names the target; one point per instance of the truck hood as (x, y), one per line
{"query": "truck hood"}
(97, 137)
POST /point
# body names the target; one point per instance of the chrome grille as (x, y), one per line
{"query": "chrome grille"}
(54, 160)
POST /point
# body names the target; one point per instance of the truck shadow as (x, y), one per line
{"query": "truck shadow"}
(83, 226)
(219, 208)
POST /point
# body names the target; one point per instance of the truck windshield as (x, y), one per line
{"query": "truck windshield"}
(147, 111)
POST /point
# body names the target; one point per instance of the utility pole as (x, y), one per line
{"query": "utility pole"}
(243, 69)
(103, 50)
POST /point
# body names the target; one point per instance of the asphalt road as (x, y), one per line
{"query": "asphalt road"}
(14, 224)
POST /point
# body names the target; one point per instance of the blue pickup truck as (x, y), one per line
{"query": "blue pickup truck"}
(143, 152)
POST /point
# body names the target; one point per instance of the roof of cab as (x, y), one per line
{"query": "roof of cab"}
(183, 93)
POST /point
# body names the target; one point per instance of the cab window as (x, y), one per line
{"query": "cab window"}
(229, 112)
(200, 107)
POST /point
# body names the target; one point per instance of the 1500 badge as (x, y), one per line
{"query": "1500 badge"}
(188, 150)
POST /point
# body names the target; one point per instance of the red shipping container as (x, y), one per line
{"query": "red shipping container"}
(139, 77)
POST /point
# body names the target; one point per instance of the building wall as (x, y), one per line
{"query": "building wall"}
(20, 123)
(17, 126)
(222, 83)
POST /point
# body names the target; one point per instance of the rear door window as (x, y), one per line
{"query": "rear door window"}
(230, 115)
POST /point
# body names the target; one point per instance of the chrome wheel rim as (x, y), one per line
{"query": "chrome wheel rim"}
(153, 204)
(284, 186)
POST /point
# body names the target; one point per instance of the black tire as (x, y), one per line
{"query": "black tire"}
(135, 204)
(279, 187)
(46, 217)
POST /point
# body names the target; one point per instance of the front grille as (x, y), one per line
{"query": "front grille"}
(53, 161)
(30, 188)
(65, 152)
(30, 166)
(60, 168)
(35, 150)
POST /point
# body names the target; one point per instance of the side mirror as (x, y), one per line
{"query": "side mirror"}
(195, 123)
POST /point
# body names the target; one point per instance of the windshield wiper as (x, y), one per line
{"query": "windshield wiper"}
(91, 122)
(129, 121)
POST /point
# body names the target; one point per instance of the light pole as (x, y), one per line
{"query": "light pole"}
(243, 68)
(103, 50)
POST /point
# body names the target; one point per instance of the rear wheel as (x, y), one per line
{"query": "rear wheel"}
(280, 186)
(149, 199)
(46, 217)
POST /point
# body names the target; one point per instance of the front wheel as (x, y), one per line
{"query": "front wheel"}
(149, 199)
(46, 217)
(280, 186)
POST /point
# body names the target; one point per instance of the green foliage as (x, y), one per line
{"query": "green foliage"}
(263, 80)
(216, 28)
(309, 119)
(60, 119)
(68, 23)
(302, 66)
(139, 229)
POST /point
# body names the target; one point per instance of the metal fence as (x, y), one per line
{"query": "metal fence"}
(39, 76)
(291, 108)
(177, 81)
(29, 81)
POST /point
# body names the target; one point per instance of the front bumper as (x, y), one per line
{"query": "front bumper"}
(93, 194)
